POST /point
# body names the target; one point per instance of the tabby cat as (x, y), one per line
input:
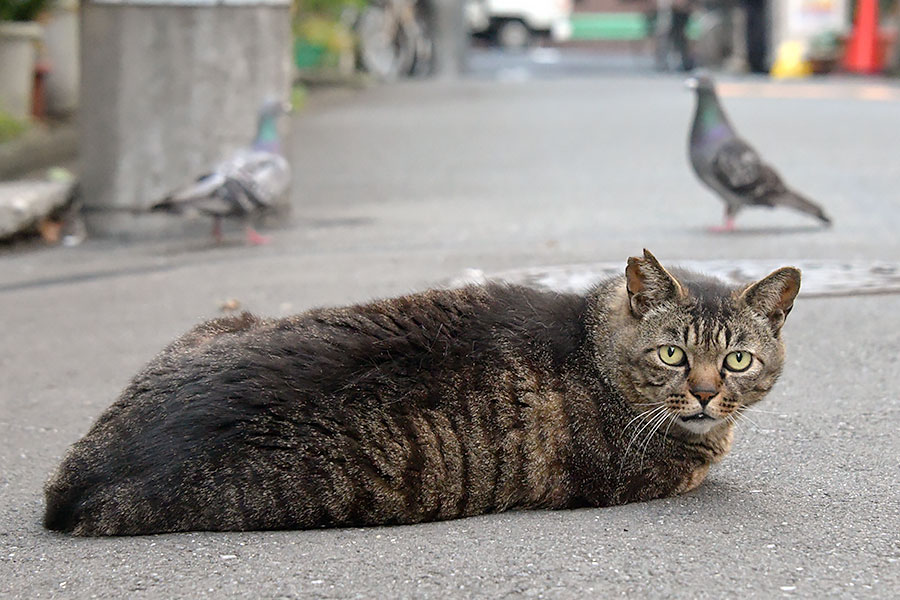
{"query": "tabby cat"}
(431, 406)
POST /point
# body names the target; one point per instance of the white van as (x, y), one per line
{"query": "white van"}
(516, 23)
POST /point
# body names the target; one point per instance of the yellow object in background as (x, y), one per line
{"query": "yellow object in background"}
(790, 61)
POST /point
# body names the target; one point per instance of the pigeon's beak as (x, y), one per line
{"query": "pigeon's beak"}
(691, 83)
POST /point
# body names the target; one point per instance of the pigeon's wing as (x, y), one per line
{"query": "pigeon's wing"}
(264, 176)
(203, 186)
(739, 168)
(737, 165)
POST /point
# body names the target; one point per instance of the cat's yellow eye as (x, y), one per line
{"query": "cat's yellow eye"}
(738, 361)
(672, 355)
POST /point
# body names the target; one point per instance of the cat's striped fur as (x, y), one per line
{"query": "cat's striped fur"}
(432, 406)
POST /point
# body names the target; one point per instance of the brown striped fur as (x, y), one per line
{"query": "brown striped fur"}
(432, 406)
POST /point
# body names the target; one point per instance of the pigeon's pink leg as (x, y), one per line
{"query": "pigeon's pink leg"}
(726, 227)
(217, 229)
(254, 238)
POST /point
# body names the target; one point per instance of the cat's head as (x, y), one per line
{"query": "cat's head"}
(695, 352)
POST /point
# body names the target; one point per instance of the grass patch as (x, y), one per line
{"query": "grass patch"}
(298, 97)
(10, 127)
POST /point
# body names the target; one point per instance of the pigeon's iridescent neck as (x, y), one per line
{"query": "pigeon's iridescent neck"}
(267, 135)
(711, 113)
(710, 123)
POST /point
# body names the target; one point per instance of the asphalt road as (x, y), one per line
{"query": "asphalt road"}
(400, 188)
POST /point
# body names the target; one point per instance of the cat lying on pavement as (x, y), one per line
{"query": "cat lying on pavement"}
(438, 405)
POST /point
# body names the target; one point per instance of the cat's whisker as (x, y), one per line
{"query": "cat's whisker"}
(636, 435)
(761, 410)
(743, 416)
(669, 426)
(733, 420)
(645, 413)
(659, 423)
(662, 439)
(650, 417)
(648, 423)
(743, 422)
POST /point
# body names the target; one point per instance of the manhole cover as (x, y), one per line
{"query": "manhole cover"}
(820, 277)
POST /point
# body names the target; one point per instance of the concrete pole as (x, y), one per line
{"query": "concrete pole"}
(167, 90)
(451, 38)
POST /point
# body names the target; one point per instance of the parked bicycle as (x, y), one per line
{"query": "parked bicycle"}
(395, 38)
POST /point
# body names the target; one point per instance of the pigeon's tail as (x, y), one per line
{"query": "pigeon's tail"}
(798, 202)
(203, 188)
(164, 205)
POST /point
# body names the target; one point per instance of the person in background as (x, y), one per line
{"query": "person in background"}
(756, 35)
(681, 14)
(667, 22)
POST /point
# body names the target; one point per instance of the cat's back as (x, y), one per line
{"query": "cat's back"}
(258, 399)
(413, 336)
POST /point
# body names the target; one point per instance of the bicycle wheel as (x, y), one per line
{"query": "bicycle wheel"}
(385, 48)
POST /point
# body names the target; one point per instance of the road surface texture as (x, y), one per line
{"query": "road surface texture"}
(404, 187)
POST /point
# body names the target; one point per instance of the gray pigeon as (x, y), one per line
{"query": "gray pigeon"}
(731, 167)
(247, 183)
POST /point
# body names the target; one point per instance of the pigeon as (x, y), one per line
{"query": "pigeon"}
(731, 167)
(250, 181)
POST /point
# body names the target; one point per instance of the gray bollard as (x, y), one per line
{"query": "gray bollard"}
(61, 43)
(451, 38)
(169, 88)
(18, 52)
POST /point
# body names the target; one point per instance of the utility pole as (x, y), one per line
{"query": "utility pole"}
(451, 38)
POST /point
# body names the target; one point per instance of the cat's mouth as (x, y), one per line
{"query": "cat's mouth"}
(699, 423)
(700, 416)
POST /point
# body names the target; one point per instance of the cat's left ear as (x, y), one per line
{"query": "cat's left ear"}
(773, 296)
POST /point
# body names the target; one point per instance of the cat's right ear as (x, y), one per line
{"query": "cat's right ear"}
(649, 285)
(773, 295)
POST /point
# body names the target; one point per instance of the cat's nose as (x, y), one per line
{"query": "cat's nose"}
(704, 395)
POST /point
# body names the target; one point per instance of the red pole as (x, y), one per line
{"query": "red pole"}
(863, 53)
